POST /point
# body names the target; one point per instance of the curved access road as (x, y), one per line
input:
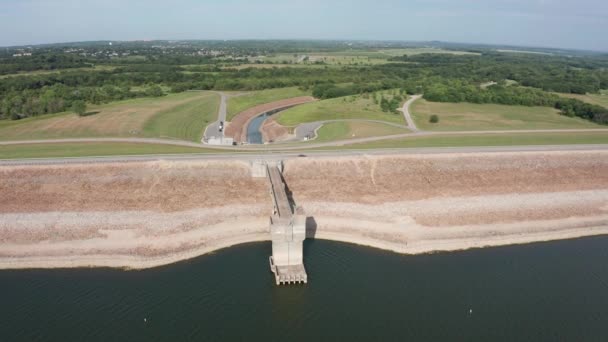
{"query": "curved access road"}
(408, 116)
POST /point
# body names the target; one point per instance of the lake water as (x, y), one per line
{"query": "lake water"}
(555, 291)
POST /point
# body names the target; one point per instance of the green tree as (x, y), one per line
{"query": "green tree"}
(79, 107)
(434, 118)
(155, 91)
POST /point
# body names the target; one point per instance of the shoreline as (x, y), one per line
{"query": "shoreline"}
(427, 245)
(136, 263)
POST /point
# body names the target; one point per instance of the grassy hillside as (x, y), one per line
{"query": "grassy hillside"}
(240, 103)
(468, 116)
(168, 116)
(349, 107)
(91, 149)
(349, 57)
(511, 139)
(186, 121)
(344, 130)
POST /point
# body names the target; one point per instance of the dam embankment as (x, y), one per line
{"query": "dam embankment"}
(140, 215)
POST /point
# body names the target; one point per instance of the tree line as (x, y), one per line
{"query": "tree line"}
(441, 77)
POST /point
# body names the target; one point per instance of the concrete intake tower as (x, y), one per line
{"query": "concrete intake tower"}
(288, 231)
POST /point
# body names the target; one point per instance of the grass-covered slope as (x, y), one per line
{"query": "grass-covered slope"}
(349, 107)
(471, 117)
(180, 116)
(237, 104)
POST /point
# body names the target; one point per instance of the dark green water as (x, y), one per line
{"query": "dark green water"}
(554, 291)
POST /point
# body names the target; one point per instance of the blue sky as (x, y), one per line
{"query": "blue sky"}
(581, 24)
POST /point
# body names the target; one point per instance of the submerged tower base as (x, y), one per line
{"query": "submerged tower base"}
(287, 260)
(291, 274)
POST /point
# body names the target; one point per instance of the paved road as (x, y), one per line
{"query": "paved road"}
(213, 130)
(251, 156)
(406, 113)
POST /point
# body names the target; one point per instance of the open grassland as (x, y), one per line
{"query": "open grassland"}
(91, 149)
(57, 71)
(418, 51)
(471, 117)
(343, 58)
(600, 99)
(186, 121)
(350, 57)
(343, 130)
(149, 117)
(524, 51)
(511, 139)
(349, 107)
(240, 103)
(271, 66)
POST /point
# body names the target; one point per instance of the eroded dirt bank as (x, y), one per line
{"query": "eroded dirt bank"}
(147, 214)
(127, 215)
(423, 203)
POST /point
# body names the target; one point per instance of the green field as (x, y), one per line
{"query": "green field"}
(351, 57)
(57, 150)
(57, 71)
(472, 117)
(349, 107)
(328, 58)
(418, 51)
(240, 103)
(279, 66)
(600, 99)
(179, 116)
(91, 149)
(343, 130)
(509, 139)
(524, 52)
(186, 121)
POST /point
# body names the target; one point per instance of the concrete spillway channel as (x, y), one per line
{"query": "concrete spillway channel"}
(287, 230)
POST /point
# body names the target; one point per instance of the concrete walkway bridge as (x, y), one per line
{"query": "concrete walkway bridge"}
(287, 230)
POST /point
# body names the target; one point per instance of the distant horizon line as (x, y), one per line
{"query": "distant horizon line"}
(304, 40)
